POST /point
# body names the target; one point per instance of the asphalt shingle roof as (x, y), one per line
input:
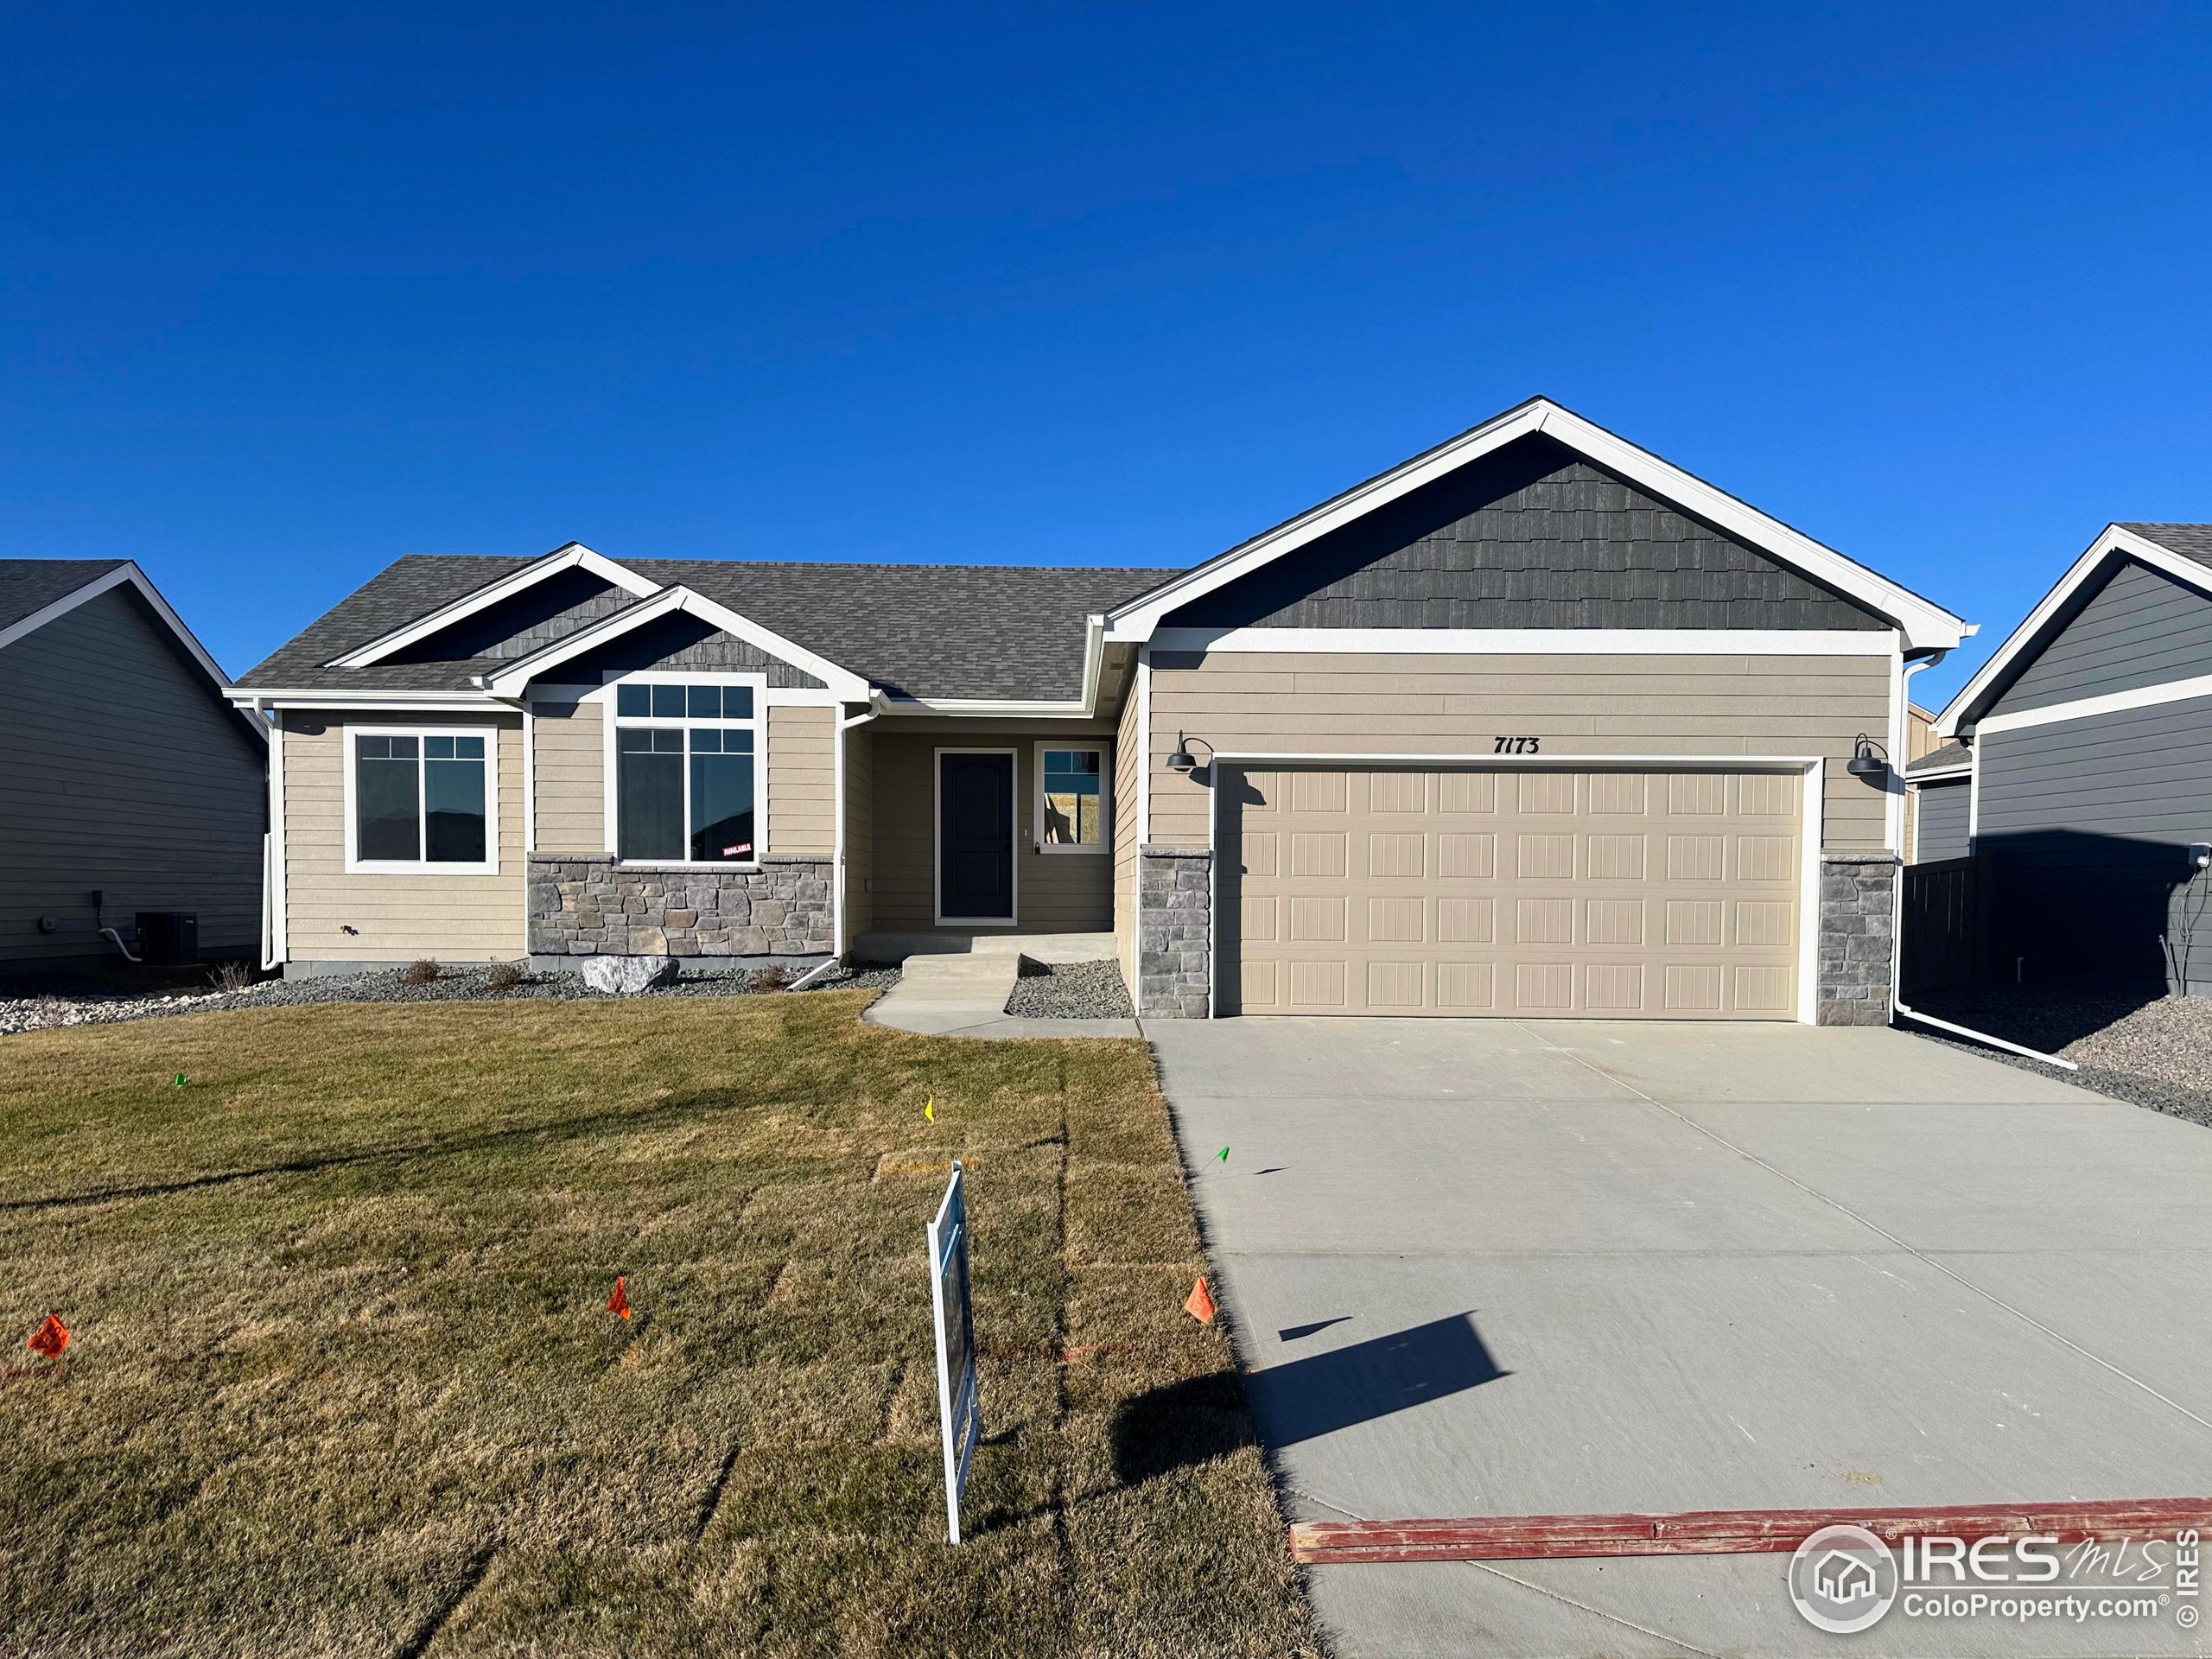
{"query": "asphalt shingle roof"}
(1950, 755)
(2190, 541)
(919, 630)
(29, 585)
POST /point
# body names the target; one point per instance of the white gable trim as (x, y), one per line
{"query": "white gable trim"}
(1925, 625)
(509, 682)
(2111, 547)
(127, 574)
(573, 557)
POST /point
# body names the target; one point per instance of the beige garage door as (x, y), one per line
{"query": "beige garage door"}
(1605, 894)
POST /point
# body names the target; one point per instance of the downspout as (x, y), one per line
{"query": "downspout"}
(1899, 1008)
(839, 941)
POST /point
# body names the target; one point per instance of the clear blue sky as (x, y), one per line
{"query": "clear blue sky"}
(286, 292)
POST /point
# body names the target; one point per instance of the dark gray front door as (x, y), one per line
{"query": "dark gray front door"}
(975, 838)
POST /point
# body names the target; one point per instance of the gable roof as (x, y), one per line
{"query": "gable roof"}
(2182, 551)
(34, 592)
(950, 633)
(29, 586)
(1925, 625)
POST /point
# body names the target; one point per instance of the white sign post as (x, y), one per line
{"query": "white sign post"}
(960, 1415)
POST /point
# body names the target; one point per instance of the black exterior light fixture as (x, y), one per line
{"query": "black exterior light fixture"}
(1182, 760)
(1863, 762)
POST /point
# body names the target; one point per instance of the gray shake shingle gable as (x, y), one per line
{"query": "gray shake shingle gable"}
(28, 586)
(920, 631)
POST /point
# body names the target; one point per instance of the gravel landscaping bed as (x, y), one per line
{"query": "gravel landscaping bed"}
(2152, 1051)
(38, 1011)
(1070, 990)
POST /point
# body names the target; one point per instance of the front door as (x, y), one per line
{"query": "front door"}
(974, 836)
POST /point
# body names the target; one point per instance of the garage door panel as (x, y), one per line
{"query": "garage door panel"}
(1605, 893)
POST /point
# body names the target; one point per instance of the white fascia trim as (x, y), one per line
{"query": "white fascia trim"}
(2113, 544)
(842, 683)
(127, 574)
(390, 703)
(1942, 774)
(574, 555)
(1924, 625)
(2113, 702)
(1527, 762)
(1540, 642)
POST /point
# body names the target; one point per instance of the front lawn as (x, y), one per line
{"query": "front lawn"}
(343, 1380)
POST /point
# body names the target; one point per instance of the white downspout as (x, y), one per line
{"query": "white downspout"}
(840, 941)
(1897, 1005)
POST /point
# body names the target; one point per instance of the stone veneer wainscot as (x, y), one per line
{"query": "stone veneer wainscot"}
(588, 906)
(1174, 932)
(1858, 898)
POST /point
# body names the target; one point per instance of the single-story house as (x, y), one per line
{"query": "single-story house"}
(1532, 723)
(133, 789)
(2081, 759)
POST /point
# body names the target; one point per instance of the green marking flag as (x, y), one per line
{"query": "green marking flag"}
(1222, 1154)
(179, 1080)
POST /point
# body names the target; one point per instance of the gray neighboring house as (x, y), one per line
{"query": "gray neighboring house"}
(124, 771)
(1941, 782)
(2087, 746)
(1534, 722)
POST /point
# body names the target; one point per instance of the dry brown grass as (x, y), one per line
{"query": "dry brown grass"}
(343, 1380)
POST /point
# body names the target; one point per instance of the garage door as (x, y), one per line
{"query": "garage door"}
(1604, 895)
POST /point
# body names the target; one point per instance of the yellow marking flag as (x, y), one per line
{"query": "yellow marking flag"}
(929, 1108)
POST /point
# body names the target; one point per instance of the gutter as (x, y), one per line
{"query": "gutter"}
(1898, 1007)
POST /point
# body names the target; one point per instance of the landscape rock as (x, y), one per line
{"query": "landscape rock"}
(627, 975)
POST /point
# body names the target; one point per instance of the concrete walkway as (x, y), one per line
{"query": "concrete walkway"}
(1506, 1267)
(943, 993)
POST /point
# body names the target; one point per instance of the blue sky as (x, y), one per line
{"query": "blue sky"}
(287, 292)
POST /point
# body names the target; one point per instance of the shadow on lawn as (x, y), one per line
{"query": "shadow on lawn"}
(567, 1128)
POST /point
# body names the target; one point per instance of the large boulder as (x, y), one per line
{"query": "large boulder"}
(626, 975)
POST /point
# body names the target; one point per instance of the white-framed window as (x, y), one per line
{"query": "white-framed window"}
(1075, 807)
(421, 800)
(685, 781)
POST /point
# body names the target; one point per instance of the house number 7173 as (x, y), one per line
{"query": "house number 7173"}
(1516, 745)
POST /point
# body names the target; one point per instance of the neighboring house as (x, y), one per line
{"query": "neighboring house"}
(1920, 738)
(1940, 798)
(2087, 742)
(1534, 723)
(127, 774)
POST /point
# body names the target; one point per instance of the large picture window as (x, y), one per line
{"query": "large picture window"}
(420, 801)
(686, 773)
(1073, 809)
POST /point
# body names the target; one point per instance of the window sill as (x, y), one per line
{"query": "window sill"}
(1093, 850)
(373, 866)
(730, 865)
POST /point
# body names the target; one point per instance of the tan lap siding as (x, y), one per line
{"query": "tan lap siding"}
(396, 917)
(860, 830)
(569, 773)
(802, 780)
(1054, 892)
(1325, 703)
(1129, 749)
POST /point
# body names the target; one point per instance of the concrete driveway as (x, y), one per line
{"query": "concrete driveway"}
(1502, 1268)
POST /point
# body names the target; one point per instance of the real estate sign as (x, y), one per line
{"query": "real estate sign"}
(959, 1414)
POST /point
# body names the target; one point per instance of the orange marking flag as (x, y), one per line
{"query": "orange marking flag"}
(50, 1338)
(619, 1301)
(1199, 1305)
